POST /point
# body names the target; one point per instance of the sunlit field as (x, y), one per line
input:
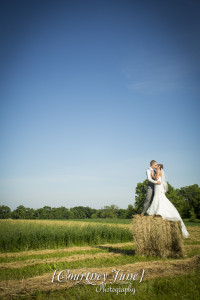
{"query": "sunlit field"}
(32, 251)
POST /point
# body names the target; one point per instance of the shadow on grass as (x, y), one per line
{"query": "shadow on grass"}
(117, 250)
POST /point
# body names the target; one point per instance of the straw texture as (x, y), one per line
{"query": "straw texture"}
(155, 236)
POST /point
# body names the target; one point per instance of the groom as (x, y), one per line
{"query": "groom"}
(150, 185)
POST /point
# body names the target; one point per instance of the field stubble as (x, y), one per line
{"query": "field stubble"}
(108, 256)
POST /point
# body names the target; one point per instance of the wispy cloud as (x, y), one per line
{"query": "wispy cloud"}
(153, 86)
(159, 77)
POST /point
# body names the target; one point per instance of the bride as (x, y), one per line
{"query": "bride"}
(161, 204)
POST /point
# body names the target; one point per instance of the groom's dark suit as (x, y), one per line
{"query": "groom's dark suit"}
(150, 189)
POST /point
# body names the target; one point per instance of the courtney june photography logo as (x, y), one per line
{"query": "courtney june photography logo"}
(99, 279)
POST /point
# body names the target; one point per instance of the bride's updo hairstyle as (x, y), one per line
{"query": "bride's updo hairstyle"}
(161, 166)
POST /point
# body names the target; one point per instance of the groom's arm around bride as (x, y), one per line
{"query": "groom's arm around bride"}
(150, 186)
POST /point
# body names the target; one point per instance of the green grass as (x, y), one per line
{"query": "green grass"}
(39, 269)
(48, 255)
(189, 242)
(193, 252)
(34, 236)
(20, 236)
(125, 221)
(187, 223)
(184, 287)
(97, 249)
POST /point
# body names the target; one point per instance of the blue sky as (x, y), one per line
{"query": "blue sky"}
(90, 92)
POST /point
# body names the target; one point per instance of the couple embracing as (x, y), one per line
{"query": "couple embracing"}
(159, 204)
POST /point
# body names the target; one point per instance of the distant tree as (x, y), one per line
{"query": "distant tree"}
(29, 213)
(5, 212)
(37, 213)
(89, 211)
(185, 210)
(19, 212)
(71, 214)
(97, 214)
(82, 212)
(191, 194)
(64, 212)
(94, 216)
(55, 213)
(192, 215)
(176, 199)
(58, 213)
(47, 208)
(140, 195)
(122, 213)
(109, 211)
(78, 212)
(43, 213)
(130, 211)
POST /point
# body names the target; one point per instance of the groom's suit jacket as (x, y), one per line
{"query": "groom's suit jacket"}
(151, 181)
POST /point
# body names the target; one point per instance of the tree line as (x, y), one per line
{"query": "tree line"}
(185, 199)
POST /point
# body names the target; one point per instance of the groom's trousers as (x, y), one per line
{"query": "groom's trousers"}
(149, 196)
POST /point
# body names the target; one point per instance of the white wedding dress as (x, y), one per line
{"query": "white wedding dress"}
(162, 206)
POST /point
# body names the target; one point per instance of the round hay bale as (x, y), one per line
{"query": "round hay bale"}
(155, 236)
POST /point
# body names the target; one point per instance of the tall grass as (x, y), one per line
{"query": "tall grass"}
(20, 236)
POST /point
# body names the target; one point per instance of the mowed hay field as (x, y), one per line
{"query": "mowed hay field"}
(32, 251)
